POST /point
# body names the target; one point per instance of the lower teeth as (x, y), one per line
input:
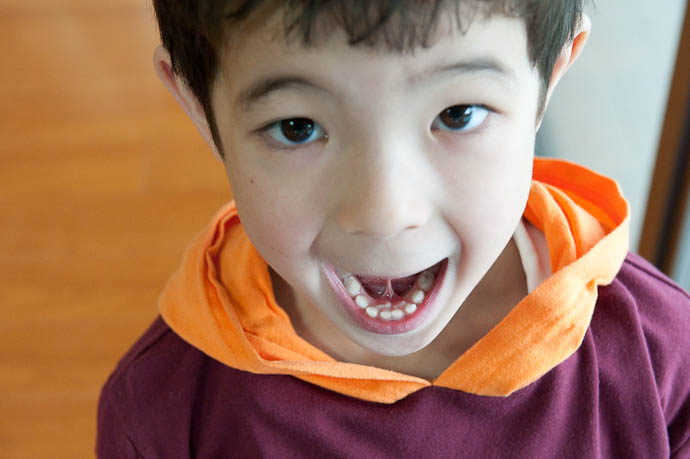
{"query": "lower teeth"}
(397, 314)
(384, 310)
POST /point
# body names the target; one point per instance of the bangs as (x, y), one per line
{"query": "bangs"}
(396, 26)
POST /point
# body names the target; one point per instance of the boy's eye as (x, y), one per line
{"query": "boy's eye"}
(295, 131)
(460, 118)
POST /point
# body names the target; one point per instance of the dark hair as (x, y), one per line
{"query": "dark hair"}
(194, 31)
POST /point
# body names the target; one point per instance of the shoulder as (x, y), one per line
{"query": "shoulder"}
(644, 307)
(638, 272)
(644, 303)
(645, 297)
(166, 398)
(662, 306)
(157, 351)
(150, 391)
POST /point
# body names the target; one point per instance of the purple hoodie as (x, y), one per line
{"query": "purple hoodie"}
(625, 393)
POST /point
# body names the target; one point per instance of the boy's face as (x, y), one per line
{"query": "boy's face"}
(348, 160)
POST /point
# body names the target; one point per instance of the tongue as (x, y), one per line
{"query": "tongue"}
(374, 287)
(403, 285)
(377, 287)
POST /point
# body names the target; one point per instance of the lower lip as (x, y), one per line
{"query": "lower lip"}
(426, 309)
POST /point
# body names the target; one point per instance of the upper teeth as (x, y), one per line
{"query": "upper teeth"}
(425, 280)
(352, 285)
(342, 274)
(384, 310)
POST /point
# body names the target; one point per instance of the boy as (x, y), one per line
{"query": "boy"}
(398, 276)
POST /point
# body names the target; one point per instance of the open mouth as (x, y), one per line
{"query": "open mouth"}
(388, 305)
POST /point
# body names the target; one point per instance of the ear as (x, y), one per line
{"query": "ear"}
(569, 54)
(184, 96)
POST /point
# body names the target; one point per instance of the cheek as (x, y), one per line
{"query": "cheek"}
(491, 187)
(273, 200)
(279, 222)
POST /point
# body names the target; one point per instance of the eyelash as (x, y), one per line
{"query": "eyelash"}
(265, 131)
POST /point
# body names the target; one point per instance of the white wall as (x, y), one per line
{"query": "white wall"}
(608, 111)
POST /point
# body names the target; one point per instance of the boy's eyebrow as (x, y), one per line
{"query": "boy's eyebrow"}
(474, 65)
(266, 85)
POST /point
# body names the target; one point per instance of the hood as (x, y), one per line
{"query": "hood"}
(233, 316)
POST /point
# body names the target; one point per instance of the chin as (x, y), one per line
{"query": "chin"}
(396, 350)
(393, 345)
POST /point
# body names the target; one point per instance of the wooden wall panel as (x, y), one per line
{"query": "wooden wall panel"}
(104, 182)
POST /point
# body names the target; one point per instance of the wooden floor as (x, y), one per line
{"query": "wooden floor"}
(103, 182)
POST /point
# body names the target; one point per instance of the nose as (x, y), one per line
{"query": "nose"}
(386, 194)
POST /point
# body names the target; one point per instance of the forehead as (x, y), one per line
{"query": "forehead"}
(489, 42)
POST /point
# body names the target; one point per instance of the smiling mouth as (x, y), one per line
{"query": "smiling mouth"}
(388, 305)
